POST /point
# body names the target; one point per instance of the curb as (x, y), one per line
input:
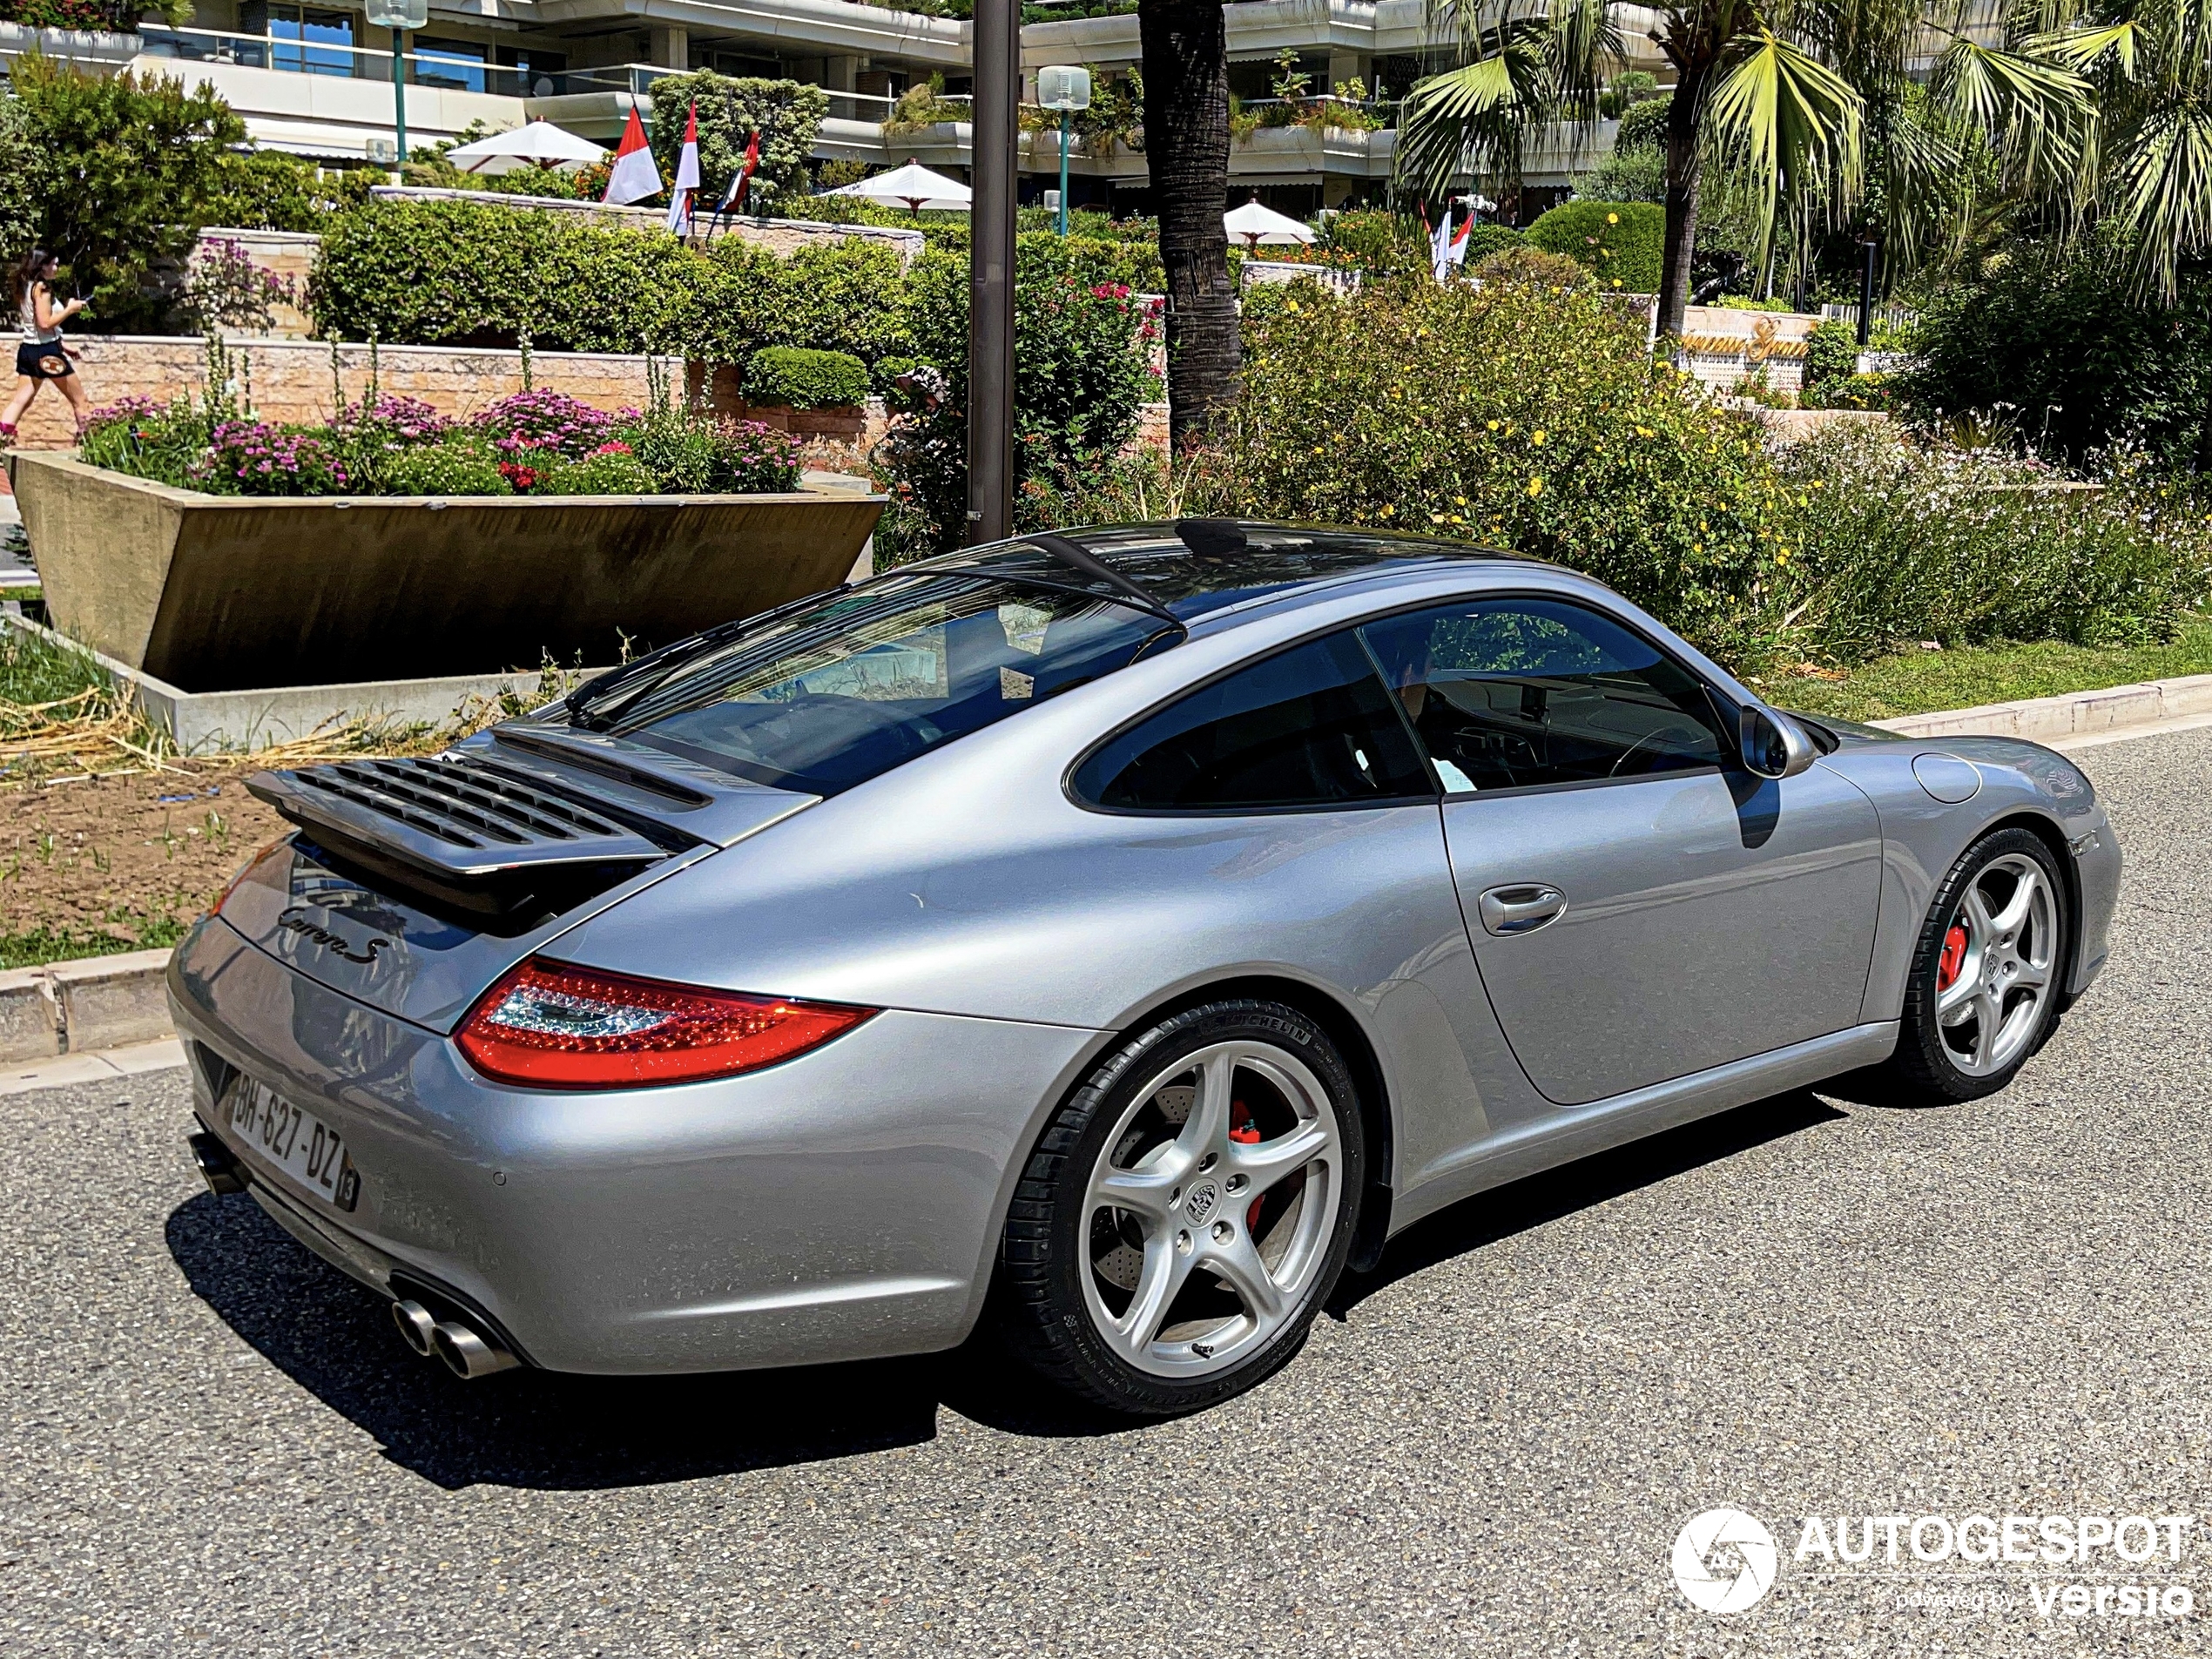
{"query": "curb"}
(2076, 714)
(95, 1003)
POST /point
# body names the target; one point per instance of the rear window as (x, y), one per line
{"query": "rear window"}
(831, 696)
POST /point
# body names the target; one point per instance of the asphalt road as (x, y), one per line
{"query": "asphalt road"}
(1813, 1306)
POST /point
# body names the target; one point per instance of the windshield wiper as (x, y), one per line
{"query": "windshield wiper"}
(1079, 558)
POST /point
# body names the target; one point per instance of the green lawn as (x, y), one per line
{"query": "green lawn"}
(43, 945)
(1921, 682)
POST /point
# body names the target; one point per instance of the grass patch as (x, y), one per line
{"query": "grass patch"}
(43, 945)
(1923, 682)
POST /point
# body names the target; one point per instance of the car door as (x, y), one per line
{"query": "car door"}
(1641, 907)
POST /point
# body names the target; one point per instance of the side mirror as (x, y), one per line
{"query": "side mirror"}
(1774, 745)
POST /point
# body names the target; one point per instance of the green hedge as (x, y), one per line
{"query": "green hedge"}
(806, 380)
(471, 273)
(462, 273)
(1620, 243)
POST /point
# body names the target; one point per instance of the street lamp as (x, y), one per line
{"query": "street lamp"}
(1066, 91)
(398, 16)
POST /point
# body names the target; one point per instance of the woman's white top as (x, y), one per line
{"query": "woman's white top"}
(31, 331)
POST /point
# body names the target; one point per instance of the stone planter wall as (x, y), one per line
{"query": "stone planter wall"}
(292, 379)
(210, 593)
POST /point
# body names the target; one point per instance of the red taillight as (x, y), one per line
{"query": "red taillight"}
(554, 1025)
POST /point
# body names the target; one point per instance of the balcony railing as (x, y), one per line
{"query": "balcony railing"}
(443, 70)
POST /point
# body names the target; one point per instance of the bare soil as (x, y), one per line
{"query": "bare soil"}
(117, 862)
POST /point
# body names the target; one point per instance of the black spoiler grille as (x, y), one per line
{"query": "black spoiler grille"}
(457, 819)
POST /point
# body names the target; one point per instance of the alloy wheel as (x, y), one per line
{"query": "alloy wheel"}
(1993, 974)
(1209, 1213)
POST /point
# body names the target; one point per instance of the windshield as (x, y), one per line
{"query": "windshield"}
(828, 696)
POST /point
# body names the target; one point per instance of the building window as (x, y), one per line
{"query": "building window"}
(458, 64)
(308, 40)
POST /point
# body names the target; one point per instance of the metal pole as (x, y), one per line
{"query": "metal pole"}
(399, 90)
(1063, 172)
(1866, 295)
(990, 275)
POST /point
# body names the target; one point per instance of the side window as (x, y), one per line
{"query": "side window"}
(1505, 693)
(1311, 726)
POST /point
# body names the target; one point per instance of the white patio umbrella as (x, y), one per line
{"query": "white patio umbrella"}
(540, 144)
(1257, 225)
(913, 186)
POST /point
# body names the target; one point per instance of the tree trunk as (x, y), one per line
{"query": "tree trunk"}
(1186, 146)
(1682, 201)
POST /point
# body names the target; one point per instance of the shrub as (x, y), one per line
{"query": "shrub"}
(1619, 242)
(1876, 392)
(145, 438)
(1533, 267)
(848, 297)
(132, 164)
(449, 274)
(2053, 338)
(254, 458)
(689, 455)
(268, 190)
(611, 469)
(1520, 418)
(1080, 370)
(1902, 542)
(787, 115)
(1831, 355)
(1486, 240)
(550, 422)
(806, 380)
(1643, 125)
(225, 289)
(463, 464)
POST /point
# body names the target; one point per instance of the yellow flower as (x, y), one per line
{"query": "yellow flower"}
(1537, 436)
(1493, 426)
(1458, 500)
(1613, 218)
(1782, 556)
(1387, 510)
(1643, 432)
(1535, 487)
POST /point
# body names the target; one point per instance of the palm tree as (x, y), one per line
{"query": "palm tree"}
(1789, 97)
(2148, 171)
(1186, 147)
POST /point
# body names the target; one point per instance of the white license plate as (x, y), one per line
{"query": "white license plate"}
(298, 1143)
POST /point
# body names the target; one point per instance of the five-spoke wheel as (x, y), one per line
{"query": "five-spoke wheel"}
(1187, 1210)
(1986, 982)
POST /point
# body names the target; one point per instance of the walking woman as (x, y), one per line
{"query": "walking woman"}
(42, 356)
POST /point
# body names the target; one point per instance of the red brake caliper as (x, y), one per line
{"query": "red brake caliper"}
(1953, 957)
(1244, 1131)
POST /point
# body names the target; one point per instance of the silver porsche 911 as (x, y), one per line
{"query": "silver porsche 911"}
(1110, 937)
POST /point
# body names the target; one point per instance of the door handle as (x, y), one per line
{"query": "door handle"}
(1520, 908)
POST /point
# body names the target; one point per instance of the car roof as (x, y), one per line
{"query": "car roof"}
(1199, 567)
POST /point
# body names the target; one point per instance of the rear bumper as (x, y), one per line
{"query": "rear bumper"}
(843, 1205)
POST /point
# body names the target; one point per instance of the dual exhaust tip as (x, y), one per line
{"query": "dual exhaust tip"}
(467, 1352)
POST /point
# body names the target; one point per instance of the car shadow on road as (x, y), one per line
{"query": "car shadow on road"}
(543, 1429)
(1484, 1219)
(539, 1429)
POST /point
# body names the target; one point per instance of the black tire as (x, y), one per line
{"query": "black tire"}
(1040, 1306)
(1926, 1068)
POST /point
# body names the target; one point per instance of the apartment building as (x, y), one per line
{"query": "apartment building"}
(316, 78)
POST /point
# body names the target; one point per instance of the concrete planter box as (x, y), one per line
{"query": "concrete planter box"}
(213, 593)
(719, 388)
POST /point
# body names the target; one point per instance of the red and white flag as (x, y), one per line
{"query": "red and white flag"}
(687, 179)
(735, 194)
(635, 176)
(1459, 241)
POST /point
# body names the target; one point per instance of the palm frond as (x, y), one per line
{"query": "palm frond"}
(1789, 123)
(2164, 180)
(2040, 117)
(2082, 49)
(1475, 117)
